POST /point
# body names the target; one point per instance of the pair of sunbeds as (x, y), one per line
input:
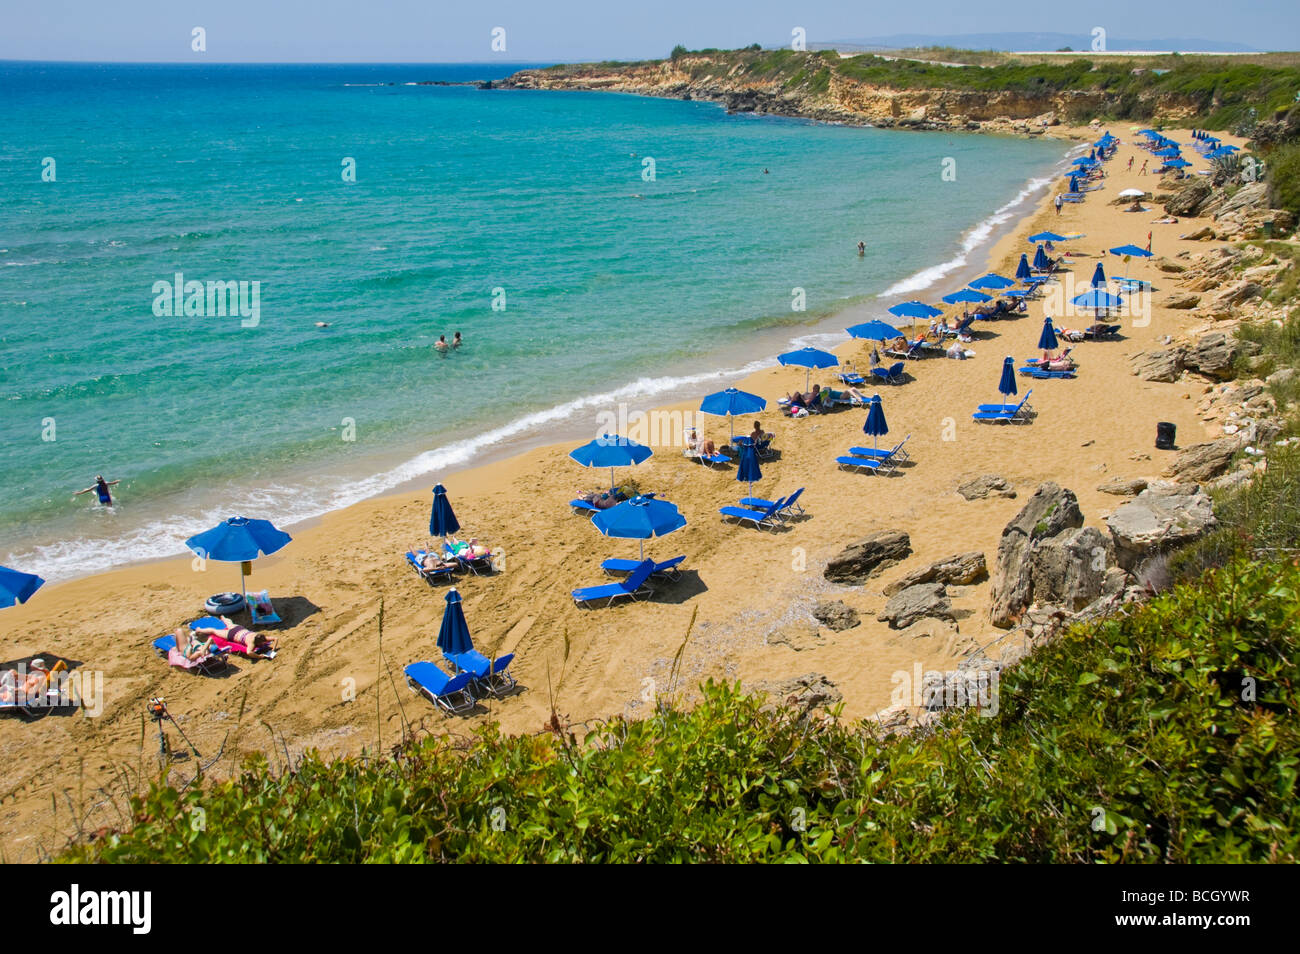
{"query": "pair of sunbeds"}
(214, 662)
(874, 460)
(452, 560)
(636, 585)
(476, 677)
(765, 514)
(1005, 413)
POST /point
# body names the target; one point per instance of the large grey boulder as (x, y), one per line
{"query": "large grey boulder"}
(1213, 355)
(1123, 486)
(857, 562)
(1203, 462)
(987, 485)
(1163, 365)
(917, 602)
(1048, 512)
(1187, 201)
(1069, 569)
(1157, 522)
(1183, 300)
(959, 569)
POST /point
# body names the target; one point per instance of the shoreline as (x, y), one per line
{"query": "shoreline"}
(745, 597)
(555, 424)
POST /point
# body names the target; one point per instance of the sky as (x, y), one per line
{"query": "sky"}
(439, 31)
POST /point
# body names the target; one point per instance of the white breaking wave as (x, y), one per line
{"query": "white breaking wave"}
(972, 240)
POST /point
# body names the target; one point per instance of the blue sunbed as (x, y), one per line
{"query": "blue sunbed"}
(667, 569)
(788, 505)
(1033, 371)
(859, 463)
(891, 375)
(634, 587)
(415, 561)
(880, 454)
(216, 661)
(1003, 415)
(767, 517)
(450, 693)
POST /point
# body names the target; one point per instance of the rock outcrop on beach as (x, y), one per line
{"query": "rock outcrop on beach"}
(925, 600)
(858, 562)
(960, 569)
(805, 693)
(1156, 522)
(835, 614)
(987, 485)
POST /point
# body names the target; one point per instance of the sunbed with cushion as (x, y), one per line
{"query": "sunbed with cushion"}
(634, 587)
(767, 517)
(667, 569)
(449, 693)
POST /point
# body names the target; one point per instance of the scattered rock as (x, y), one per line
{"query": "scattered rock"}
(917, 602)
(987, 485)
(1172, 268)
(1069, 569)
(1123, 486)
(1164, 365)
(1182, 300)
(1281, 376)
(959, 569)
(859, 561)
(798, 636)
(1048, 512)
(807, 692)
(1199, 235)
(1203, 462)
(835, 615)
(1158, 523)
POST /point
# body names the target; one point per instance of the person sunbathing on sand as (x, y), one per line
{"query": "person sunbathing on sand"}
(432, 561)
(190, 646)
(699, 446)
(30, 687)
(235, 633)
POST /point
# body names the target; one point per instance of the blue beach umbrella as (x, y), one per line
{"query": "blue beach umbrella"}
(966, 296)
(1047, 340)
(238, 540)
(453, 634)
(639, 519)
(1023, 271)
(993, 281)
(1135, 250)
(874, 330)
(1168, 153)
(1007, 383)
(1083, 161)
(1046, 237)
(1176, 164)
(608, 450)
(875, 424)
(1223, 153)
(1097, 300)
(748, 470)
(17, 587)
(1229, 147)
(442, 519)
(1099, 277)
(914, 309)
(1041, 260)
(729, 403)
(808, 358)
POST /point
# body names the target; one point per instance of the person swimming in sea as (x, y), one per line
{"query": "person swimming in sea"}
(101, 489)
(862, 248)
(456, 340)
(441, 344)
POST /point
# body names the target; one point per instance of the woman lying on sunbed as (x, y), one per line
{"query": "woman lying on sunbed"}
(698, 446)
(27, 688)
(234, 633)
(431, 562)
(189, 646)
(469, 551)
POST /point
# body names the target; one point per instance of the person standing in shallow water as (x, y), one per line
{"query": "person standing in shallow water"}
(862, 249)
(456, 340)
(101, 490)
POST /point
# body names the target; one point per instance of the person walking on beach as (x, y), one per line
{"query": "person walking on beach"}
(1143, 170)
(1130, 164)
(1059, 202)
(101, 490)
(1148, 241)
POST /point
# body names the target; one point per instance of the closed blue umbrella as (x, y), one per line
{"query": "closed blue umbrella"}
(1099, 276)
(808, 358)
(442, 520)
(453, 634)
(639, 519)
(874, 331)
(1023, 271)
(17, 587)
(1047, 340)
(731, 402)
(1074, 183)
(993, 281)
(914, 309)
(1007, 385)
(748, 470)
(238, 540)
(875, 424)
(608, 450)
(1042, 262)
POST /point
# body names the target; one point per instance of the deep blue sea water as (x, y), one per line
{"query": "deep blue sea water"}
(616, 287)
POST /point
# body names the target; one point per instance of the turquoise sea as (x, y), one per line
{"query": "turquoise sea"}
(616, 286)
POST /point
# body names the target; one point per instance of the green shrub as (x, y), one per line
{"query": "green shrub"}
(1283, 172)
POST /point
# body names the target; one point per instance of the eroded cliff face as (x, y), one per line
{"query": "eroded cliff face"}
(822, 93)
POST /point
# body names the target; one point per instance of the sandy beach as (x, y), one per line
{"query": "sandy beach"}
(333, 686)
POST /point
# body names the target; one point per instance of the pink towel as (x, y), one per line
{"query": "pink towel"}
(229, 645)
(175, 658)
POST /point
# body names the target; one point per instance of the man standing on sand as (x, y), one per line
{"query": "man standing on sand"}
(1143, 170)
(1059, 203)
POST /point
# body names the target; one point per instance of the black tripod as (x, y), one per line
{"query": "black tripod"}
(158, 709)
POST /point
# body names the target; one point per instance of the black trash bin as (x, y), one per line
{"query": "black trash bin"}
(1165, 433)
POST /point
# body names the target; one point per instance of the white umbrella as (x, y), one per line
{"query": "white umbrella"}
(1132, 194)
